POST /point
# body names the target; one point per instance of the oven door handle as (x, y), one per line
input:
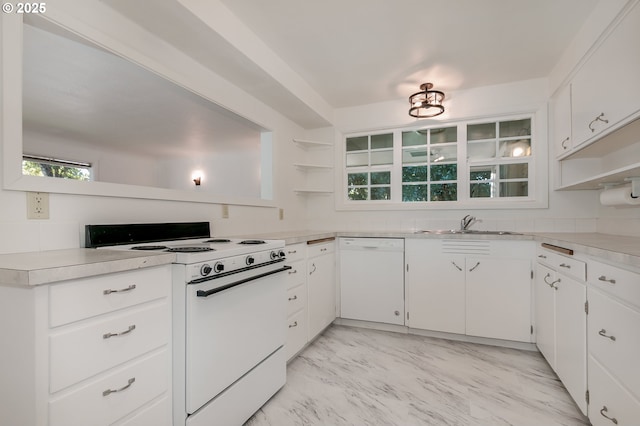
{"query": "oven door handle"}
(207, 293)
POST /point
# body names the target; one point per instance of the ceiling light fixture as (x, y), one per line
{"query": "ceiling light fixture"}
(427, 103)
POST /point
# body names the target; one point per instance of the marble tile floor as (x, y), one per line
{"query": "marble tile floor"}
(356, 376)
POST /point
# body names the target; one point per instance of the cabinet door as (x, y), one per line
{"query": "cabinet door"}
(608, 83)
(499, 298)
(571, 338)
(435, 288)
(561, 108)
(322, 292)
(544, 302)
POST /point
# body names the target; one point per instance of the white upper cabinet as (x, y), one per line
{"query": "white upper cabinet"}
(561, 108)
(605, 90)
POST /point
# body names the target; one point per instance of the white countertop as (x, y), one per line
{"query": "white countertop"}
(37, 268)
(45, 267)
(614, 248)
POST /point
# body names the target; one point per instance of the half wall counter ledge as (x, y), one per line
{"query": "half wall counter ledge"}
(47, 267)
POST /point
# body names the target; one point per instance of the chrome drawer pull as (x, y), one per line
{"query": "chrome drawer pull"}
(122, 290)
(295, 324)
(564, 265)
(127, 386)
(605, 279)
(474, 267)
(127, 331)
(295, 271)
(295, 297)
(457, 267)
(564, 141)
(603, 333)
(542, 256)
(602, 413)
(292, 251)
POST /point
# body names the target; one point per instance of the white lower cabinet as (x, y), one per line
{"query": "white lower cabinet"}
(613, 344)
(498, 298)
(560, 320)
(311, 292)
(321, 272)
(98, 348)
(475, 287)
(435, 287)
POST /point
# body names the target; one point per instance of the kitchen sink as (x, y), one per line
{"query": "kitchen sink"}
(466, 231)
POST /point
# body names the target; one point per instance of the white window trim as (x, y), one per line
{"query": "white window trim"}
(538, 170)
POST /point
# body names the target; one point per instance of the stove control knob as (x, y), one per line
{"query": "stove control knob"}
(250, 260)
(281, 254)
(218, 267)
(274, 255)
(205, 269)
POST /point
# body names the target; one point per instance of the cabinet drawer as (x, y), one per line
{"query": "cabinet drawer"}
(106, 293)
(620, 356)
(621, 283)
(296, 333)
(295, 252)
(297, 274)
(316, 249)
(140, 382)
(608, 398)
(563, 264)
(157, 414)
(296, 299)
(83, 350)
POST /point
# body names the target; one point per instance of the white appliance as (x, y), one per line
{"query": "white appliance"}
(372, 279)
(229, 317)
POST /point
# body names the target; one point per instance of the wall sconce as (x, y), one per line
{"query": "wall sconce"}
(197, 177)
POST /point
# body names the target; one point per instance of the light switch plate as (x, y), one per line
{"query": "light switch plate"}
(225, 211)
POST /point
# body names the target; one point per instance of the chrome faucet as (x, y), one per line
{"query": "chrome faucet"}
(466, 222)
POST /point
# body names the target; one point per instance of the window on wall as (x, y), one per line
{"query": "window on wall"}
(499, 154)
(369, 161)
(459, 163)
(429, 165)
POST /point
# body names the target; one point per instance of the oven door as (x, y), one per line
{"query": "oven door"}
(232, 324)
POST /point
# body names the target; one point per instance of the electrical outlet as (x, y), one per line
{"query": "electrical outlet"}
(225, 211)
(281, 214)
(37, 205)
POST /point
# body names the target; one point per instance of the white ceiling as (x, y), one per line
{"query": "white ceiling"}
(356, 52)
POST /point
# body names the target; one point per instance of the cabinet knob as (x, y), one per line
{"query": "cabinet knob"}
(602, 413)
(397, 313)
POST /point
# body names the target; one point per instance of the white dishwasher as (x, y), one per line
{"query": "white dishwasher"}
(372, 279)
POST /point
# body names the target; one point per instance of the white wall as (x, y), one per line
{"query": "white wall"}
(567, 211)
(69, 213)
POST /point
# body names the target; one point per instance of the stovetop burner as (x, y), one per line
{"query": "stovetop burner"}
(189, 249)
(149, 248)
(218, 240)
(252, 242)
